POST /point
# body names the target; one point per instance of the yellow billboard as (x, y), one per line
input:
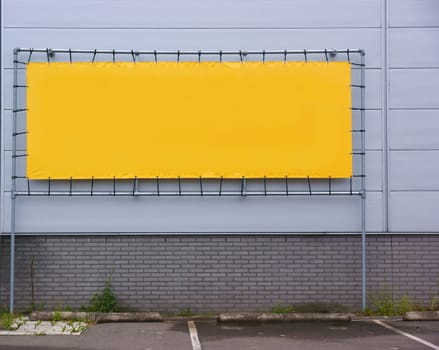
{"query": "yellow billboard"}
(189, 119)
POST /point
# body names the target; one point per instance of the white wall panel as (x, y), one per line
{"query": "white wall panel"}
(374, 170)
(414, 211)
(417, 47)
(413, 118)
(269, 214)
(414, 88)
(414, 170)
(414, 129)
(192, 13)
(374, 136)
(205, 25)
(194, 39)
(413, 13)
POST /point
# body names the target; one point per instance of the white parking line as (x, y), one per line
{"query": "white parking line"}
(419, 340)
(194, 335)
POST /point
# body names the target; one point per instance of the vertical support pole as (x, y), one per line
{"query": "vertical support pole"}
(363, 184)
(14, 185)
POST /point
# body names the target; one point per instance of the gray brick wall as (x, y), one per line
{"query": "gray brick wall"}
(219, 273)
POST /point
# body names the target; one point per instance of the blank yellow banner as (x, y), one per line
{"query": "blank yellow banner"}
(190, 119)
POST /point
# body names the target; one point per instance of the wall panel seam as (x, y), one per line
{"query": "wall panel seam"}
(193, 28)
(385, 107)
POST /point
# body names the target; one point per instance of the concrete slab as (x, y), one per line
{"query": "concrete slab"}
(24, 326)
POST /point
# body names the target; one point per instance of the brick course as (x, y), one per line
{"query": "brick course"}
(219, 273)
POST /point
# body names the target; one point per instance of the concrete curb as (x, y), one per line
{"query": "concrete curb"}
(63, 315)
(271, 317)
(128, 317)
(421, 316)
(98, 317)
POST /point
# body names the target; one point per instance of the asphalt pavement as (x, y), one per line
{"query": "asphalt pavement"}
(358, 334)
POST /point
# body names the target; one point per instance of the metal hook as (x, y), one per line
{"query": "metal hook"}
(134, 185)
(114, 55)
(201, 186)
(326, 55)
(240, 55)
(350, 185)
(349, 57)
(221, 56)
(243, 187)
(48, 187)
(70, 186)
(92, 185)
(285, 55)
(70, 55)
(28, 187)
(155, 56)
(330, 186)
(30, 55)
(178, 56)
(199, 56)
(179, 186)
(134, 57)
(157, 180)
(94, 56)
(286, 186)
(220, 186)
(265, 185)
(309, 186)
(263, 56)
(114, 185)
(48, 55)
(306, 57)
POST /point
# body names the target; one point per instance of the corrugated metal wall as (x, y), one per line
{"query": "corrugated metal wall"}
(401, 119)
(413, 115)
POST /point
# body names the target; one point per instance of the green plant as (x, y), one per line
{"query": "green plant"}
(367, 311)
(434, 303)
(21, 320)
(77, 328)
(57, 316)
(104, 301)
(185, 312)
(37, 307)
(7, 320)
(384, 305)
(68, 308)
(404, 305)
(280, 309)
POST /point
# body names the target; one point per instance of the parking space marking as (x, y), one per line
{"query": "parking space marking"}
(408, 335)
(194, 335)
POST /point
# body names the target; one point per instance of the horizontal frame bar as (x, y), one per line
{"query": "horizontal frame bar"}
(184, 193)
(193, 52)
